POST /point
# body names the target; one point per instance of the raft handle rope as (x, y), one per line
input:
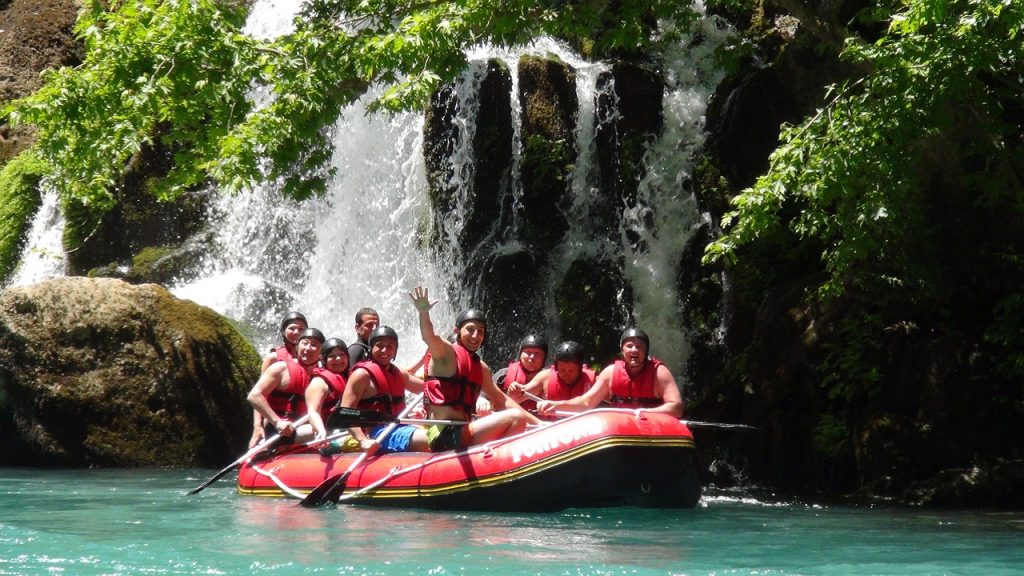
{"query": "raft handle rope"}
(284, 487)
(272, 473)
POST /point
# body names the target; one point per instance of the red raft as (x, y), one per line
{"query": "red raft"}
(604, 457)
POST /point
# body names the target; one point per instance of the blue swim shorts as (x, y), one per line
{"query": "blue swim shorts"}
(397, 441)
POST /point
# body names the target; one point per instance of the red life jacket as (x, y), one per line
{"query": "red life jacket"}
(556, 389)
(459, 390)
(390, 384)
(335, 388)
(636, 392)
(290, 402)
(516, 373)
(284, 352)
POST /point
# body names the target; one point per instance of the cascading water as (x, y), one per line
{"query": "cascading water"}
(44, 254)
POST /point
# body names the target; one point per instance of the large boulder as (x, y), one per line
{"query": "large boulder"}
(99, 372)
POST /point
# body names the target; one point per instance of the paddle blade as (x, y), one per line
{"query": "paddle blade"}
(329, 490)
(212, 479)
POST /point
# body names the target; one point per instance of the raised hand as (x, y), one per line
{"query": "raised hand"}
(421, 299)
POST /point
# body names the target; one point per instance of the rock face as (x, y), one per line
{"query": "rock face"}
(34, 35)
(509, 236)
(98, 372)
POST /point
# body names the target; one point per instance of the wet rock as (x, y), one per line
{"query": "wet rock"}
(629, 119)
(547, 96)
(98, 372)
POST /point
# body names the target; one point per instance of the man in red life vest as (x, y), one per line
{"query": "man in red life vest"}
(292, 325)
(367, 321)
(456, 376)
(533, 351)
(378, 384)
(279, 395)
(568, 377)
(636, 381)
(327, 385)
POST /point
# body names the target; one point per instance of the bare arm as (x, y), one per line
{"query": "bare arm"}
(274, 378)
(442, 355)
(315, 394)
(413, 383)
(500, 400)
(666, 387)
(536, 386)
(591, 398)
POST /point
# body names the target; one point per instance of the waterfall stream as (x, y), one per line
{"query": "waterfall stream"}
(365, 243)
(44, 256)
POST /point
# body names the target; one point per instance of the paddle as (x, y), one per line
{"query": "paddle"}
(349, 417)
(331, 489)
(689, 423)
(252, 452)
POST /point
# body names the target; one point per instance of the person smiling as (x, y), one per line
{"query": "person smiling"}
(379, 385)
(637, 380)
(456, 376)
(279, 394)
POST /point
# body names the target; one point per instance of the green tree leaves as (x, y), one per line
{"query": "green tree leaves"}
(857, 171)
(183, 69)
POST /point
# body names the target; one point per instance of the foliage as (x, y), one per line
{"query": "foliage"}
(186, 68)
(19, 199)
(854, 170)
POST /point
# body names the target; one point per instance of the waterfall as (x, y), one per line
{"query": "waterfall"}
(691, 75)
(43, 256)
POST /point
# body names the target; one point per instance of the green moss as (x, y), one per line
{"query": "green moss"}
(19, 200)
(142, 263)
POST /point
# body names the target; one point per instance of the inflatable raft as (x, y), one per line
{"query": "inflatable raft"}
(604, 457)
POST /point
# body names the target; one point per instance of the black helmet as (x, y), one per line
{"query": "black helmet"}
(536, 341)
(331, 344)
(569, 350)
(314, 334)
(291, 317)
(471, 314)
(635, 333)
(382, 332)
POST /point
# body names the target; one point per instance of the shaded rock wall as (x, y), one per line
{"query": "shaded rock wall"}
(509, 239)
(98, 372)
(847, 402)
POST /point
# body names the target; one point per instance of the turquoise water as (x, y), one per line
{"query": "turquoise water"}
(141, 522)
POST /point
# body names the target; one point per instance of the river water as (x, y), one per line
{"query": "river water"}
(141, 522)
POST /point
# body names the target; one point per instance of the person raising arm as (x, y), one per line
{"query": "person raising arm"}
(456, 376)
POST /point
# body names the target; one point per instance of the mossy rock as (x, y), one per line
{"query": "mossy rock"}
(19, 201)
(99, 372)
